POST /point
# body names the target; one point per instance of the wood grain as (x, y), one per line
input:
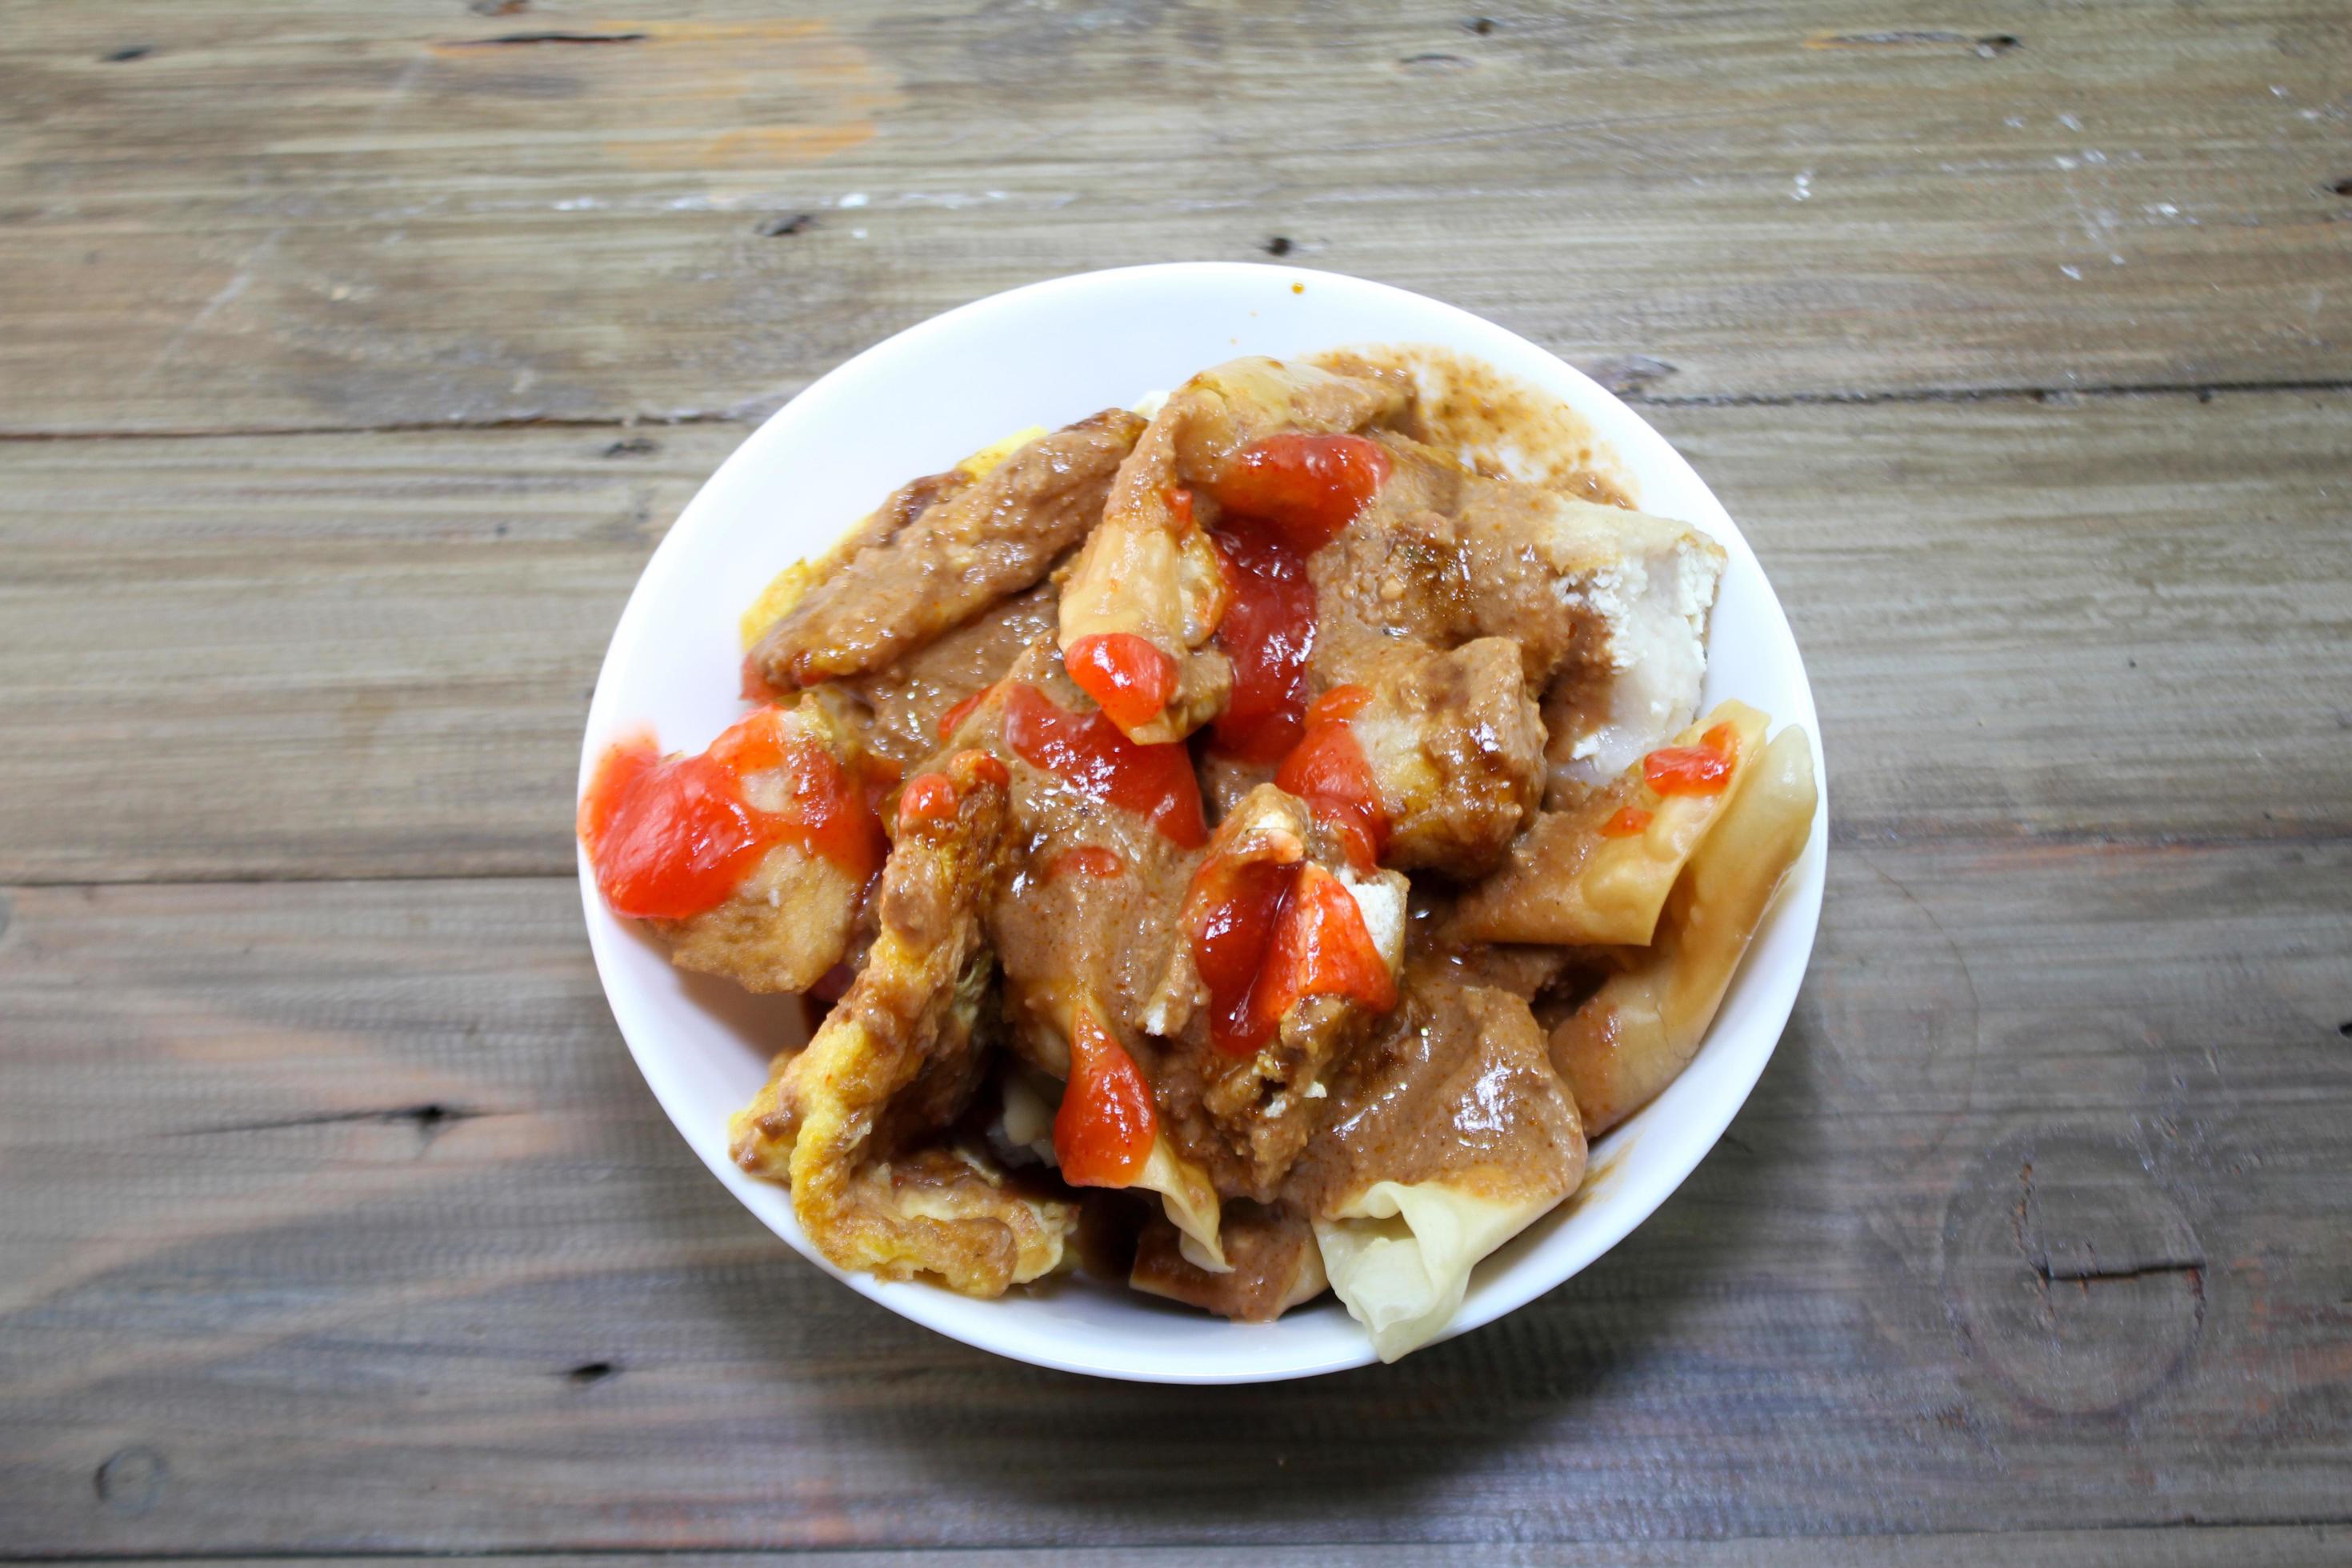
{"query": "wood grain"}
(2246, 1546)
(337, 1220)
(216, 216)
(353, 357)
(314, 655)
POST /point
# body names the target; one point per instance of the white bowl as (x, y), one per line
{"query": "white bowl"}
(1046, 354)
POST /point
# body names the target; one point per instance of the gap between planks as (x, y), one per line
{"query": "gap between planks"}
(2202, 391)
(2081, 1544)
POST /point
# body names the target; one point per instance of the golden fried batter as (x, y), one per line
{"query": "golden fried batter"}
(914, 1006)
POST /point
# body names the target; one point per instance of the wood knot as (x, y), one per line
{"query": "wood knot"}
(1628, 373)
(776, 226)
(131, 1479)
(633, 446)
(2070, 1274)
(127, 52)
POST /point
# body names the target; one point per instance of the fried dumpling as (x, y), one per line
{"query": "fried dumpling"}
(1633, 1037)
(1452, 1134)
(751, 858)
(915, 1005)
(1600, 871)
(1148, 590)
(939, 551)
(1275, 1266)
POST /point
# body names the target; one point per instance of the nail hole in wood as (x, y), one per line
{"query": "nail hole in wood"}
(780, 224)
(1482, 26)
(2345, 1028)
(589, 1372)
(131, 1479)
(2342, 187)
(1279, 245)
(633, 446)
(1999, 43)
(127, 52)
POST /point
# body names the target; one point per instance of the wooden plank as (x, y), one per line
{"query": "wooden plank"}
(2254, 1546)
(370, 656)
(222, 216)
(316, 656)
(2036, 1220)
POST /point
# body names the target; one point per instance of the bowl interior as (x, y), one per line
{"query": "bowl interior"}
(1048, 354)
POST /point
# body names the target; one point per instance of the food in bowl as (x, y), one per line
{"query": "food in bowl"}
(1251, 843)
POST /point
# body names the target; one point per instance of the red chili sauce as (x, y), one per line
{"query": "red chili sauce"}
(1104, 1131)
(673, 839)
(1328, 771)
(1266, 936)
(1086, 750)
(1703, 769)
(1284, 498)
(1132, 679)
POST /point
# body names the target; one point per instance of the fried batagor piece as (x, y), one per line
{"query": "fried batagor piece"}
(1453, 750)
(1273, 1265)
(916, 1002)
(1633, 1035)
(1084, 925)
(1084, 916)
(1608, 606)
(1292, 953)
(1146, 592)
(909, 698)
(1598, 873)
(751, 858)
(942, 549)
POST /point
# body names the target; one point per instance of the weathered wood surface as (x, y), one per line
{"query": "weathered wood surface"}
(371, 656)
(352, 362)
(216, 216)
(2254, 1546)
(2036, 1220)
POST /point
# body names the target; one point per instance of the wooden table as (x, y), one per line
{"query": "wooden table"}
(353, 355)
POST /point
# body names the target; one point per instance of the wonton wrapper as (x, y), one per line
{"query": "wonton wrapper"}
(1568, 884)
(1400, 1256)
(1642, 1026)
(1455, 1134)
(1189, 1204)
